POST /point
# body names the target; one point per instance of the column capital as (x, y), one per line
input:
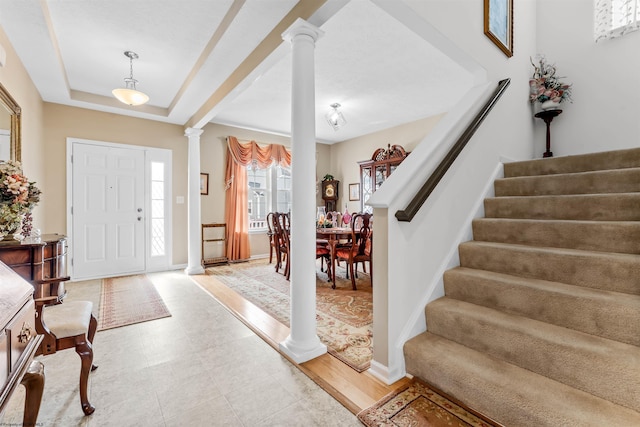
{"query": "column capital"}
(302, 27)
(193, 132)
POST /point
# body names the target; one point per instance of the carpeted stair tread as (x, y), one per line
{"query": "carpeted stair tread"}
(603, 236)
(588, 207)
(619, 159)
(602, 313)
(598, 270)
(593, 182)
(542, 348)
(506, 393)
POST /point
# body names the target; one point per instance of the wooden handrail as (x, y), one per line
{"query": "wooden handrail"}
(421, 196)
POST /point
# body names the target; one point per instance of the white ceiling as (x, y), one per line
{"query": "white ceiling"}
(198, 61)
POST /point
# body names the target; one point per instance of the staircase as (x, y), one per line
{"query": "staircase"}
(540, 324)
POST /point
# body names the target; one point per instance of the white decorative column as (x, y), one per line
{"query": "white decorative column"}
(193, 196)
(303, 343)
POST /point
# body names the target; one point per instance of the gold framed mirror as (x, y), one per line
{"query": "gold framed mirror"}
(10, 146)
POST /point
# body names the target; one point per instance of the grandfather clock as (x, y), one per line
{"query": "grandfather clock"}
(330, 194)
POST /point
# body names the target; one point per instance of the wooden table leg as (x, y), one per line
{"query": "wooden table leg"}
(33, 382)
(332, 245)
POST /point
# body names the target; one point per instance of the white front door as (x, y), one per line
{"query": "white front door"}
(108, 236)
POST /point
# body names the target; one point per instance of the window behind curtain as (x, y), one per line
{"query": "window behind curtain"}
(615, 18)
(269, 191)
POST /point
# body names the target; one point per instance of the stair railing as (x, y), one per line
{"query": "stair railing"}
(430, 184)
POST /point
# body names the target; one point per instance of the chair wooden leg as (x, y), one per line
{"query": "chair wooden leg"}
(33, 382)
(93, 326)
(84, 350)
(353, 277)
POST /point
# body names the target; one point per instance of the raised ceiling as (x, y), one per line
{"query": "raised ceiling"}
(224, 61)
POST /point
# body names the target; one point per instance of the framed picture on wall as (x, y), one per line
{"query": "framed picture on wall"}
(354, 192)
(204, 184)
(498, 24)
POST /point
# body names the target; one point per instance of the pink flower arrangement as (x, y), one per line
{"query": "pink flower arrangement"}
(545, 85)
(18, 196)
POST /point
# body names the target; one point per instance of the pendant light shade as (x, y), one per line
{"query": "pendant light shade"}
(129, 94)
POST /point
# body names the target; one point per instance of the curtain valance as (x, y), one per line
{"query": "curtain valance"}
(262, 156)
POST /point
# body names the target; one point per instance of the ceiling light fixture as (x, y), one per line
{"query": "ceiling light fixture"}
(335, 118)
(129, 94)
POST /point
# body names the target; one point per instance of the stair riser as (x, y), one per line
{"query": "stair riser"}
(545, 349)
(618, 237)
(506, 393)
(594, 270)
(582, 163)
(621, 207)
(618, 181)
(607, 316)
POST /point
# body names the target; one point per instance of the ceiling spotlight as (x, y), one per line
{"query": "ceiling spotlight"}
(129, 94)
(335, 117)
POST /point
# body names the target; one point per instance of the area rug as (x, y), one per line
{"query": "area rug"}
(344, 316)
(417, 405)
(127, 300)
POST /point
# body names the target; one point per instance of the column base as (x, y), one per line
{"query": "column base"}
(384, 374)
(299, 354)
(196, 269)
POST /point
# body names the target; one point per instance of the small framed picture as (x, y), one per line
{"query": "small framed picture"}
(354, 192)
(204, 184)
(498, 24)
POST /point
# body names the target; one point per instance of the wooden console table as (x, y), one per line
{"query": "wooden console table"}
(37, 262)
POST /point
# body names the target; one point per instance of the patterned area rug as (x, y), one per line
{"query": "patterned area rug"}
(417, 405)
(344, 316)
(127, 300)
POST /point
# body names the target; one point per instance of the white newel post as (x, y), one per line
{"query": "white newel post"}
(303, 343)
(193, 189)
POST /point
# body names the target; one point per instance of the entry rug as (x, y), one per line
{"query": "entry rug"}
(417, 405)
(127, 300)
(344, 316)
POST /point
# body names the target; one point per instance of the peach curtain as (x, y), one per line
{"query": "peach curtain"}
(239, 156)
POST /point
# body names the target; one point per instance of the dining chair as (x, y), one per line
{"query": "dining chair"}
(272, 237)
(282, 228)
(360, 249)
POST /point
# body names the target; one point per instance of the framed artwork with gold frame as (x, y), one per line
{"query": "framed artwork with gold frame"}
(498, 24)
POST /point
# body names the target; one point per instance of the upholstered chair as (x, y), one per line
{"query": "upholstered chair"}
(69, 325)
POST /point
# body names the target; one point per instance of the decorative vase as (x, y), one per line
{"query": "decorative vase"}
(549, 105)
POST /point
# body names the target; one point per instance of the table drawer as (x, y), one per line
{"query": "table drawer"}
(20, 331)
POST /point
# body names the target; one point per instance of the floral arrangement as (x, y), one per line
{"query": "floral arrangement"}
(545, 85)
(324, 223)
(18, 196)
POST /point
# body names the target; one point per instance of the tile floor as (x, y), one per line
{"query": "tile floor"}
(199, 367)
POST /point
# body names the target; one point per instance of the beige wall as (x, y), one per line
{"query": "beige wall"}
(346, 155)
(61, 122)
(15, 79)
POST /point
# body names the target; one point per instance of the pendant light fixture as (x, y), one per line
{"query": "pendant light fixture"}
(129, 94)
(335, 118)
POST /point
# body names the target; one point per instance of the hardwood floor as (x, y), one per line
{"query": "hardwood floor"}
(356, 391)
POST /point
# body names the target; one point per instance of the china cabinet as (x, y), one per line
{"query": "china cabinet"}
(375, 171)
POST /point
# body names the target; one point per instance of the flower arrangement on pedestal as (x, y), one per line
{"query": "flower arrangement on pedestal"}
(18, 196)
(545, 87)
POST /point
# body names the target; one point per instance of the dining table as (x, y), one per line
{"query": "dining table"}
(333, 236)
